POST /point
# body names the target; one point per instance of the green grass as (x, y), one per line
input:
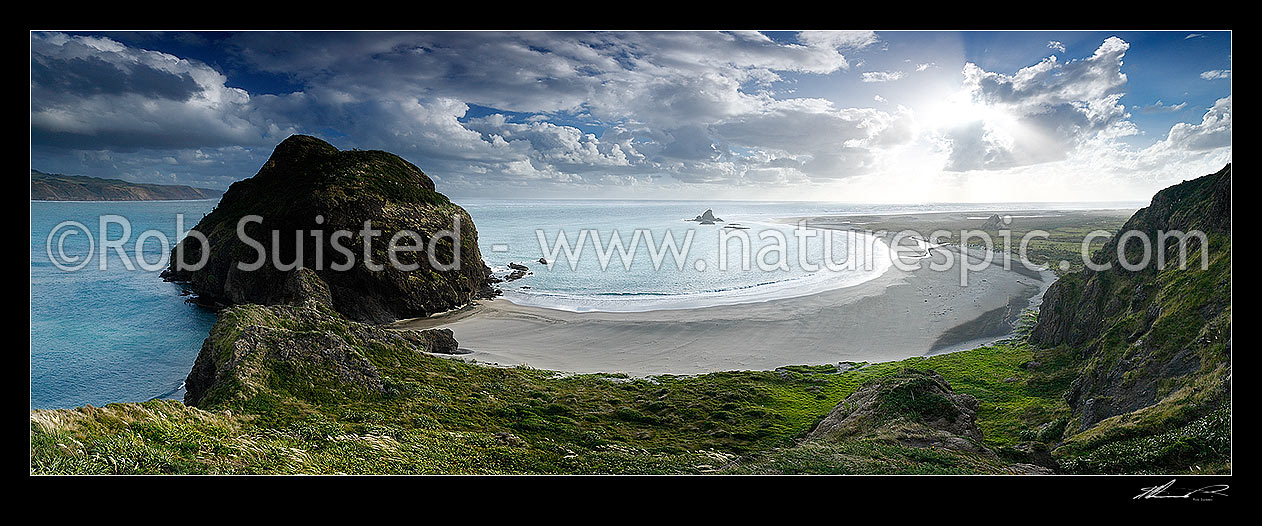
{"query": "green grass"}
(447, 416)
(1200, 446)
(439, 415)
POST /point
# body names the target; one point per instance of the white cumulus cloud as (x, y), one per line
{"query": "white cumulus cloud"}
(881, 76)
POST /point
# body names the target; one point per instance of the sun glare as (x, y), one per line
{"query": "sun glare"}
(960, 109)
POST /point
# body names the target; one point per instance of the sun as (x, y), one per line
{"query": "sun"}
(961, 109)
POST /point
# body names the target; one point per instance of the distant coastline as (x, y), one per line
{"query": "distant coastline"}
(194, 200)
(57, 187)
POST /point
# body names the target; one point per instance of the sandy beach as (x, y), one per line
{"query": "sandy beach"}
(897, 315)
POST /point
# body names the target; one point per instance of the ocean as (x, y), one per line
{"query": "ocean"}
(120, 335)
(113, 335)
(702, 275)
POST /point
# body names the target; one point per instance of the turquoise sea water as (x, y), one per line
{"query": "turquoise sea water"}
(119, 335)
(114, 335)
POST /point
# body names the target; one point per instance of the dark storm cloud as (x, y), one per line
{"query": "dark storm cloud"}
(91, 93)
(59, 78)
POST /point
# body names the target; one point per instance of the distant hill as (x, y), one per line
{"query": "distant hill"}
(57, 187)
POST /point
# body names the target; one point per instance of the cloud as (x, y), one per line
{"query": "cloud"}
(92, 92)
(1160, 106)
(93, 75)
(1188, 150)
(528, 71)
(552, 145)
(1041, 112)
(804, 126)
(882, 76)
(1214, 130)
(1216, 74)
(839, 39)
(535, 112)
(1056, 45)
(661, 97)
(1193, 35)
(672, 104)
(664, 92)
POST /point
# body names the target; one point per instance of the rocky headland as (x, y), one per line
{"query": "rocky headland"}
(1153, 339)
(307, 192)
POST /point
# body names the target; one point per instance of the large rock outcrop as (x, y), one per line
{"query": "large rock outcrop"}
(915, 408)
(301, 352)
(706, 218)
(1144, 336)
(305, 194)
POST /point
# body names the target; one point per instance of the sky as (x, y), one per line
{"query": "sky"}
(852, 116)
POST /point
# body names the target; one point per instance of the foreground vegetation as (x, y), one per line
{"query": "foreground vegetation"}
(446, 416)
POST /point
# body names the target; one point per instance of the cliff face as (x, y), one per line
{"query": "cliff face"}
(1147, 336)
(56, 187)
(306, 192)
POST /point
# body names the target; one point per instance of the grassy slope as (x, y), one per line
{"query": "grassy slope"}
(446, 416)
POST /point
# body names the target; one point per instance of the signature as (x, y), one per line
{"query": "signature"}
(1205, 493)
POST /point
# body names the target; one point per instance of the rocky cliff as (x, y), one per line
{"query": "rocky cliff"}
(307, 192)
(1147, 336)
